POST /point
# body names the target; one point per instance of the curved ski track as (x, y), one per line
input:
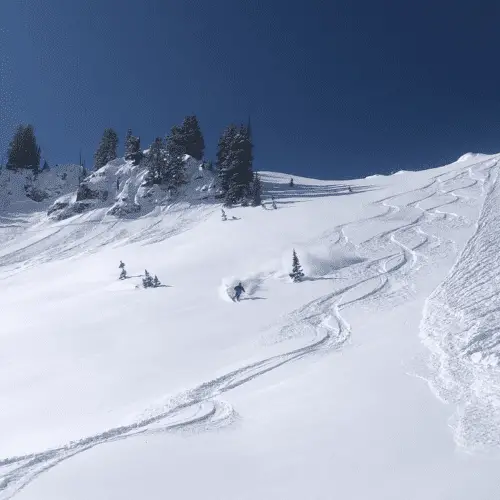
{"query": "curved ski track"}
(201, 409)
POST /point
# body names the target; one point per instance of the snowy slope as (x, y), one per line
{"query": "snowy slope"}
(118, 189)
(313, 390)
(22, 191)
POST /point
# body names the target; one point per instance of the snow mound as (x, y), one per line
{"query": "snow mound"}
(471, 156)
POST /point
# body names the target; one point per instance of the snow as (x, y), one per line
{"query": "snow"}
(329, 388)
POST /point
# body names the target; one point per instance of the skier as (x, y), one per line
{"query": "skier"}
(238, 289)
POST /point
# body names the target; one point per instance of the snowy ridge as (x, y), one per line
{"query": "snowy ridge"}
(461, 327)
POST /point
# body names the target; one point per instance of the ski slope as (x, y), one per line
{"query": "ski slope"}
(377, 377)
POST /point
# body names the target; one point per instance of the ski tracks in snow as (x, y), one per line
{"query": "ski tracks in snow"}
(460, 326)
(378, 279)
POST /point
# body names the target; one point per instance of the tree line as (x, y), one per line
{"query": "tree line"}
(164, 160)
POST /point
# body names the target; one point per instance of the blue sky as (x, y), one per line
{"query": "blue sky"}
(335, 89)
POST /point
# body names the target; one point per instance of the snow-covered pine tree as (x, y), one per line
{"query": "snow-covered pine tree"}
(24, 151)
(223, 164)
(191, 137)
(147, 281)
(223, 214)
(244, 173)
(156, 282)
(128, 142)
(297, 274)
(234, 162)
(107, 148)
(156, 162)
(175, 168)
(133, 148)
(256, 191)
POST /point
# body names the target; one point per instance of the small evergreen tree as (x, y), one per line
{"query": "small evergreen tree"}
(274, 203)
(147, 281)
(123, 273)
(45, 166)
(297, 274)
(106, 151)
(24, 151)
(256, 191)
(291, 182)
(223, 214)
(156, 282)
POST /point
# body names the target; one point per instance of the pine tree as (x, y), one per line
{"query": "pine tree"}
(156, 282)
(234, 163)
(133, 148)
(147, 281)
(123, 273)
(223, 149)
(223, 214)
(106, 151)
(297, 274)
(128, 142)
(291, 182)
(156, 161)
(175, 168)
(23, 151)
(191, 138)
(256, 191)
(45, 165)
(274, 203)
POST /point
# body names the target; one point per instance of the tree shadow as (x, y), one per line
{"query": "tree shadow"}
(322, 278)
(279, 190)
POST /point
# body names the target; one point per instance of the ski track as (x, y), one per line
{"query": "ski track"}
(201, 409)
